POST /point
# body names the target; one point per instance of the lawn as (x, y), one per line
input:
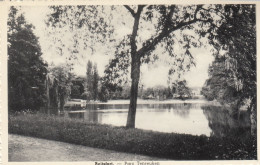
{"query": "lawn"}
(166, 145)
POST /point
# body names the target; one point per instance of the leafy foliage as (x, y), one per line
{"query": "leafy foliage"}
(222, 85)
(95, 82)
(26, 69)
(77, 88)
(64, 76)
(181, 90)
(237, 36)
(85, 25)
(118, 68)
(92, 82)
(173, 31)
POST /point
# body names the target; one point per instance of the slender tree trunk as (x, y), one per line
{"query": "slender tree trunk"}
(56, 98)
(47, 81)
(62, 101)
(253, 116)
(135, 69)
(135, 75)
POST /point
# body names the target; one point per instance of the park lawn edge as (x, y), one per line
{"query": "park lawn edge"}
(165, 145)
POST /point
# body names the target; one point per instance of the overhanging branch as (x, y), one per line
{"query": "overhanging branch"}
(166, 31)
(163, 34)
(130, 10)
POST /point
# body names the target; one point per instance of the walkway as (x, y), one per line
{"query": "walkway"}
(23, 149)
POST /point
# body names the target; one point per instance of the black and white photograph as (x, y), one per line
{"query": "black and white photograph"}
(143, 84)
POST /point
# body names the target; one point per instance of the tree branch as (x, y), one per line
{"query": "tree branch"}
(196, 11)
(130, 10)
(168, 21)
(166, 31)
(135, 29)
(218, 12)
(163, 34)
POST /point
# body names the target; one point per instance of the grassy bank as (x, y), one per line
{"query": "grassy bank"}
(166, 145)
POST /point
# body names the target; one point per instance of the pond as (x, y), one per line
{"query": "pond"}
(184, 118)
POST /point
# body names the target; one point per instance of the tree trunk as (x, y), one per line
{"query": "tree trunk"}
(135, 75)
(135, 69)
(62, 101)
(253, 116)
(47, 81)
(55, 98)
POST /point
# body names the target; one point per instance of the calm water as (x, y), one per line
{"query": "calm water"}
(195, 119)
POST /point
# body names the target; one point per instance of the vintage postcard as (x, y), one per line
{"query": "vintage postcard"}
(129, 82)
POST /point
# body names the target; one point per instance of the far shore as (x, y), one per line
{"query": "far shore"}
(168, 101)
(153, 101)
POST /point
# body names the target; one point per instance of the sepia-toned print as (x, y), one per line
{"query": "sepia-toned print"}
(143, 83)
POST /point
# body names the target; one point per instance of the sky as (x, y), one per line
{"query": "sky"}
(152, 74)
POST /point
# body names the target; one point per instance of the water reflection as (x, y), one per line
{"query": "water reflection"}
(85, 115)
(195, 119)
(222, 124)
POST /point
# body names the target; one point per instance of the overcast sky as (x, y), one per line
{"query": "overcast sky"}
(151, 74)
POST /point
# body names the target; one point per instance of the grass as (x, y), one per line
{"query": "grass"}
(166, 145)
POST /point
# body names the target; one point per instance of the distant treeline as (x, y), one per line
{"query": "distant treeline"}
(104, 92)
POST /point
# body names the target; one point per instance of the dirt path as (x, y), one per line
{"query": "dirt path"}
(23, 149)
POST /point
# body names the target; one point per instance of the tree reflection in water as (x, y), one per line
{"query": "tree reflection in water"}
(223, 124)
(183, 110)
(186, 118)
(88, 116)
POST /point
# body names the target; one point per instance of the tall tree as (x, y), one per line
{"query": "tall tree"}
(237, 36)
(89, 82)
(168, 24)
(63, 76)
(95, 82)
(171, 18)
(26, 69)
(92, 81)
(180, 88)
(222, 84)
